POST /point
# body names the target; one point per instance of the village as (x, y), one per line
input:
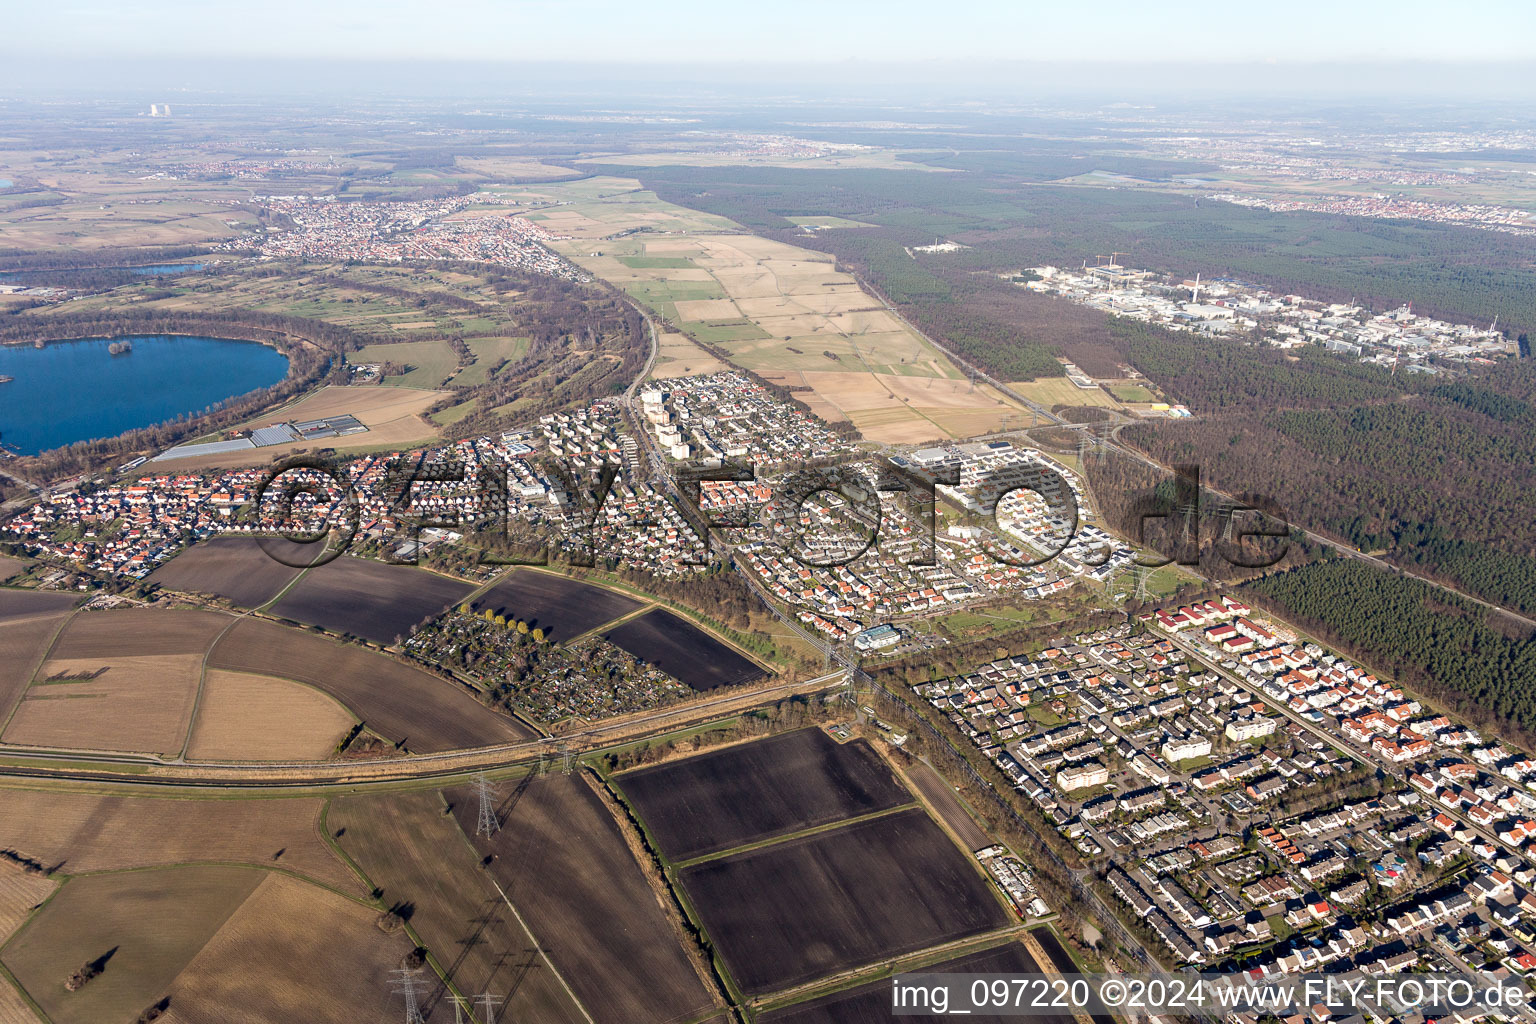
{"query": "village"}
(325, 228)
(1257, 801)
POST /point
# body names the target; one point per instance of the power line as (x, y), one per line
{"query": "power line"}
(488, 1003)
(409, 984)
(488, 824)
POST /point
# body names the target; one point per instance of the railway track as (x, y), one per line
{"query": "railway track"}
(150, 772)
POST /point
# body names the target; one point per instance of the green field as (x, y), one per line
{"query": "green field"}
(658, 262)
(827, 222)
(1132, 393)
(488, 353)
(717, 331)
(431, 362)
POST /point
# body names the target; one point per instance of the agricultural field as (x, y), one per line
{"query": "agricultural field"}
(727, 798)
(10, 567)
(797, 910)
(84, 833)
(291, 952)
(678, 356)
(489, 353)
(1053, 391)
(138, 633)
(871, 1004)
(776, 308)
(23, 642)
(415, 852)
(144, 927)
(121, 680)
(430, 363)
(133, 704)
(23, 604)
(244, 717)
(565, 865)
(20, 891)
(683, 651)
(946, 804)
(238, 569)
(416, 710)
(369, 599)
(94, 220)
(564, 608)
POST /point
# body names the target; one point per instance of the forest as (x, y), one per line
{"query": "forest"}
(1442, 478)
(1006, 208)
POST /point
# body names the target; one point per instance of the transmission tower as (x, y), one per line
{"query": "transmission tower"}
(488, 1004)
(409, 984)
(460, 1004)
(488, 824)
(567, 760)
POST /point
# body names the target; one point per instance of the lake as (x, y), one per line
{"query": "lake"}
(71, 391)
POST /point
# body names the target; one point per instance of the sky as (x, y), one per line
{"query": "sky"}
(792, 31)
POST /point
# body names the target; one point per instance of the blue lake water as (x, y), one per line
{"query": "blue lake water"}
(71, 391)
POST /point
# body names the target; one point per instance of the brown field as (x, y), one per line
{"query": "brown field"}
(510, 167)
(91, 221)
(394, 418)
(80, 833)
(141, 704)
(900, 409)
(723, 799)
(23, 642)
(20, 892)
(11, 566)
(25, 604)
(421, 712)
(786, 914)
(13, 1008)
(369, 599)
(138, 632)
(694, 310)
(152, 923)
(415, 852)
(291, 953)
(567, 868)
(237, 568)
(871, 1004)
(678, 356)
(243, 717)
(947, 805)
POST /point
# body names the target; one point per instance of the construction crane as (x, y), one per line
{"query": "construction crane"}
(1112, 256)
